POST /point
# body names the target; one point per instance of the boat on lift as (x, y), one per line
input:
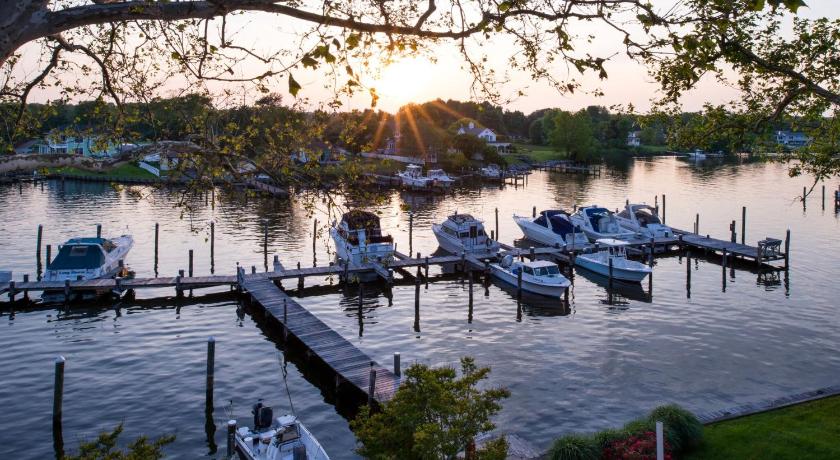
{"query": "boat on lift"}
(464, 233)
(538, 276)
(552, 227)
(440, 180)
(491, 171)
(597, 222)
(359, 242)
(613, 250)
(281, 438)
(413, 179)
(87, 259)
(643, 220)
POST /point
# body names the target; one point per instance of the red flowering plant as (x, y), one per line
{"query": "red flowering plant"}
(636, 447)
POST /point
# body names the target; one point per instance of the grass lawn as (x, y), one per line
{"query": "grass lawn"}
(124, 171)
(804, 431)
(539, 153)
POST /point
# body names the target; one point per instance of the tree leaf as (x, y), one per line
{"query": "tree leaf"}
(294, 86)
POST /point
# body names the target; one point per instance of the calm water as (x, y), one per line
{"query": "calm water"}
(603, 362)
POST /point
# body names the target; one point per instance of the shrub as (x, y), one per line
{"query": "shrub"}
(682, 429)
(574, 447)
(605, 438)
(637, 447)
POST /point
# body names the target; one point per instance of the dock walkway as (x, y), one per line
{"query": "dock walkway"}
(344, 358)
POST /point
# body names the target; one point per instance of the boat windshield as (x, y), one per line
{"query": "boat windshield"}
(595, 215)
(561, 225)
(645, 217)
(78, 257)
(546, 271)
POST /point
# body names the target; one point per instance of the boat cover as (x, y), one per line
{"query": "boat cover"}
(78, 257)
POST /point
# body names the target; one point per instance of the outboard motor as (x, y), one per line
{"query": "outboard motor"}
(263, 416)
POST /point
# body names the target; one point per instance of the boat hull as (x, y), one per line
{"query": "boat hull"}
(602, 268)
(358, 257)
(455, 246)
(548, 290)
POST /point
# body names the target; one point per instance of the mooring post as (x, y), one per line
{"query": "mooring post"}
(38, 251)
(697, 224)
(49, 256)
(823, 196)
(410, 233)
(66, 292)
(680, 239)
(804, 195)
(397, 370)
(463, 261)
(787, 249)
(532, 253)
(371, 384)
(265, 244)
(566, 296)
(743, 224)
(285, 312)
(231, 438)
(534, 211)
(12, 291)
(99, 230)
(212, 247)
(314, 234)
(300, 277)
(519, 283)
(157, 229)
(417, 303)
(497, 224)
(732, 236)
(211, 371)
(178, 291)
(652, 244)
(191, 263)
(723, 267)
(663, 209)
(58, 395)
(470, 282)
(611, 273)
(688, 275)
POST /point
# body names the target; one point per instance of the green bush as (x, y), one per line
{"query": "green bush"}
(605, 438)
(575, 447)
(682, 428)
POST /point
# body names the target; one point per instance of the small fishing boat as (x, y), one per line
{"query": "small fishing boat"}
(622, 268)
(491, 171)
(87, 259)
(464, 233)
(597, 222)
(538, 276)
(643, 220)
(283, 438)
(359, 241)
(440, 180)
(413, 179)
(697, 155)
(553, 228)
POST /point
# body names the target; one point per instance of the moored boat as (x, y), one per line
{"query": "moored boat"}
(359, 241)
(622, 268)
(643, 220)
(553, 228)
(597, 222)
(491, 171)
(413, 179)
(464, 233)
(283, 438)
(86, 259)
(538, 276)
(440, 180)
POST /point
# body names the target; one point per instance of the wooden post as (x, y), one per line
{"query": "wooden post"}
(314, 234)
(211, 371)
(723, 266)
(157, 229)
(300, 277)
(410, 233)
(191, 263)
(823, 196)
(463, 261)
(231, 438)
(285, 313)
(265, 244)
(470, 282)
(66, 292)
(611, 272)
(688, 275)
(58, 390)
(519, 283)
(787, 249)
(178, 291)
(697, 224)
(743, 224)
(397, 370)
(26, 291)
(758, 256)
(534, 211)
(493, 235)
(663, 209)
(497, 224)
(531, 253)
(12, 291)
(38, 251)
(804, 197)
(652, 245)
(417, 302)
(212, 247)
(733, 237)
(99, 230)
(49, 255)
(371, 384)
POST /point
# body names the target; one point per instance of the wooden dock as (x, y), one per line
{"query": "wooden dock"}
(349, 363)
(765, 252)
(569, 167)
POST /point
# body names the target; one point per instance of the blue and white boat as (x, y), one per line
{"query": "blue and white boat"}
(552, 228)
(644, 221)
(283, 438)
(464, 233)
(597, 222)
(613, 250)
(538, 276)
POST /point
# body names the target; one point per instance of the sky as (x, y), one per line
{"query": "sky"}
(418, 79)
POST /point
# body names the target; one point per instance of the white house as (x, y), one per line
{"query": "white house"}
(482, 133)
(634, 139)
(792, 139)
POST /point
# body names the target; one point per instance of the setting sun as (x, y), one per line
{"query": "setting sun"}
(404, 81)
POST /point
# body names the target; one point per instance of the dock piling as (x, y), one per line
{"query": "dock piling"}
(66, 292)
(371, 384)
(697, 224)
(519, 284)
(732, 236)
(99, 230)
(49, 256)
(265, 244)
(212, 247)
(38, 251)
(58, 391)
(787, 249)
(663, 209)
(534, 211)
(314, 234)
(652, 246)
(211, 371)
(743, 224)
(231, 438)
(397, 370)
(410, 233)
(417, 302)
(497, 224)
(157, 230)
(190, 263)
(611, 273)
(688, 275)
(823, 196)
(470, 282)
(12, 291)
(723, 267)
(178, 291)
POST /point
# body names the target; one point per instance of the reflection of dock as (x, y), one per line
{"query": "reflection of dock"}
(569, 167)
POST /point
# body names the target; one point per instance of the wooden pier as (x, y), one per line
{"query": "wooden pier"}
(569, 167)
(350, 364)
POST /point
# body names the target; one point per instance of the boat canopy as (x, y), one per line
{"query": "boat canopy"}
(106, 244)
(560, 225)
(84, 256)
(462, 219)
(595, 215)
(367, 221)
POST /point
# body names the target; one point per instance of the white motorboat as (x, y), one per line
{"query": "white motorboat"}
(413, 179)
(359, 241)
(86, 259)
(539, 276)
(624, 269)
(464, 233)
(283, 438)
(440, 180)
(643, 220)
(597, 222)
(552, 228)
(697, 155)
(491, 171)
